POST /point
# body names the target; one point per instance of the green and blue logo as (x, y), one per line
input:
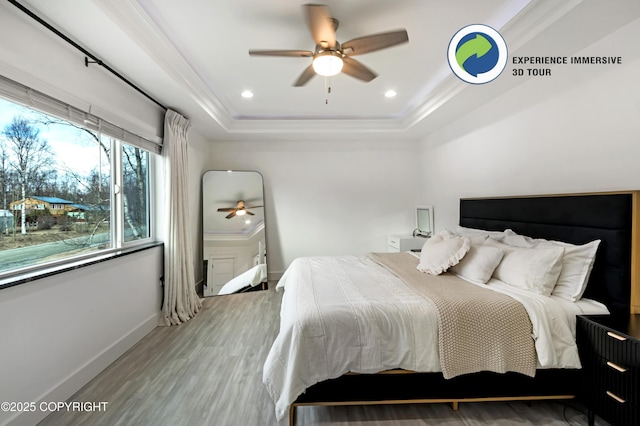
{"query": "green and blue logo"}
(477, 54)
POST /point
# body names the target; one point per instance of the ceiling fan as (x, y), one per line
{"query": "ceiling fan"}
(239, 210)
(330, 57)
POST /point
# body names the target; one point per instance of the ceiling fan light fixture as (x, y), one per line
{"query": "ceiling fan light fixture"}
(328, 63)
(241, 212)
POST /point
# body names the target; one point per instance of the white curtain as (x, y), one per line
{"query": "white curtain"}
(181, 301)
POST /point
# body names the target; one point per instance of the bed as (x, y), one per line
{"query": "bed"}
(318, 366)
(247, 281)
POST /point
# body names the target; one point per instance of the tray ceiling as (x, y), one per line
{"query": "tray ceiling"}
(193, 56)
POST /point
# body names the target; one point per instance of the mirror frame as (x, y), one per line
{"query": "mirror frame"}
(243, 267)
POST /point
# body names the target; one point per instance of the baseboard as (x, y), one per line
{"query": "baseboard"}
(79, 378)
(199, 287)
(274, 276)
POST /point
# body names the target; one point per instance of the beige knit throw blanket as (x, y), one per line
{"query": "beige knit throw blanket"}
(479, 329)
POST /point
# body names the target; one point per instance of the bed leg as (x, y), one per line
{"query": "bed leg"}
(454, 405)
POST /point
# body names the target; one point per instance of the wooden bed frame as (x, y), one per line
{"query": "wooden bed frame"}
(574, 218)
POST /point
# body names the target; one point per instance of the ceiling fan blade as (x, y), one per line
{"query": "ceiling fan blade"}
(356, 69)
(374, 42)
(230, 215)
(289, 53)
(253, 207)
(227, 209)
(249, 213)
(321, 25)
(306, 75)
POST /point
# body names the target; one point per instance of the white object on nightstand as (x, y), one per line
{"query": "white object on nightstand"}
(400, 243)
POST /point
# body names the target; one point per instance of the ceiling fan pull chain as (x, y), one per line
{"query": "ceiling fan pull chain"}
(327, 84)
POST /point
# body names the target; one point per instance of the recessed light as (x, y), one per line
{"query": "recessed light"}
(390, 93)
(247, 94)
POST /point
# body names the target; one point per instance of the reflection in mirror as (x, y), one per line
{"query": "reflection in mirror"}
(233, 226)
(424, 221)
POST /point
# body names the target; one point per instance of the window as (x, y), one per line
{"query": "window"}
(69, 190)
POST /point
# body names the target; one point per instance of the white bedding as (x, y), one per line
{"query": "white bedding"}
(250, 278)
(347, 313)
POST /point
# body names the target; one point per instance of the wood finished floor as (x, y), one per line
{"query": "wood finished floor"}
(209, 372)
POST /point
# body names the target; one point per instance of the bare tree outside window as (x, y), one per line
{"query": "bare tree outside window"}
(5, 174)
(135, 192)
(31, 157)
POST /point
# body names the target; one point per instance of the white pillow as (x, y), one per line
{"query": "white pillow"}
(533, 269)
(474, 239)
(577, 264)
(479, 263)
(576, 269)
(440, 252)
(473, 232)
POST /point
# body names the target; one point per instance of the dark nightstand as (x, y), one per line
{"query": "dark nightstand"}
(610, 354)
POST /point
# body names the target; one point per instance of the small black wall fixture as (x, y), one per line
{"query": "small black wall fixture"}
(89, 58)
(87, 62)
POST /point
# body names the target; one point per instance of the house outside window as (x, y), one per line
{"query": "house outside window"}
(63, 198)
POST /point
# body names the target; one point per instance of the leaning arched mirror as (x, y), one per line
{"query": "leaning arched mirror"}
(234, 238)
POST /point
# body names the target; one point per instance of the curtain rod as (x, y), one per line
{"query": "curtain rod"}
(85, 51)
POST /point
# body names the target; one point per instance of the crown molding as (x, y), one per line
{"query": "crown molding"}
(234, 236)
(533, 19)
(134, 17)
(528, 23)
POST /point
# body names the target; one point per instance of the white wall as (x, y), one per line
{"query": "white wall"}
(576, 131)
(328, 197)
(199, 153)
(60, 332)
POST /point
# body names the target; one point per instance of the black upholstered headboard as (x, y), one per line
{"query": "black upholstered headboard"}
(575, 219)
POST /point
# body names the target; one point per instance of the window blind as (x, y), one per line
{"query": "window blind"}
(27, 96)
